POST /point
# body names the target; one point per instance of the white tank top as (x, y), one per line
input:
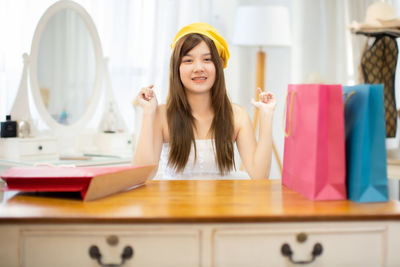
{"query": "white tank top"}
(205, 167)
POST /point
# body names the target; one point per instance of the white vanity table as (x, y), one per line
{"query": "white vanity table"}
(90, 161)
(65, 95)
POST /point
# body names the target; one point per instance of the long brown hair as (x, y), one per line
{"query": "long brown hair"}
(179, 114)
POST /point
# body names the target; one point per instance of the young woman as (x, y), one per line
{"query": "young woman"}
(193, 135)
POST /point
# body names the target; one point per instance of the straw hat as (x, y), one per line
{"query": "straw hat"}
(380, 18)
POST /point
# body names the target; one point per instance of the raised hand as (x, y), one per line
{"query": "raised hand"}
(147, 99)
(266, 101)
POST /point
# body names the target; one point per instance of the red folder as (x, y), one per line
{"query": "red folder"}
(91, 182)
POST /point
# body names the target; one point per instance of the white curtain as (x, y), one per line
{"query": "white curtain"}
(135, 35)
(323, 47)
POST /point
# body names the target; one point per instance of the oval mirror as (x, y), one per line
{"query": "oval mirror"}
(66, 66)
(66, 61)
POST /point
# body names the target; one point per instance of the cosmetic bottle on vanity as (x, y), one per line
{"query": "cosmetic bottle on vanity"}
(8, 128)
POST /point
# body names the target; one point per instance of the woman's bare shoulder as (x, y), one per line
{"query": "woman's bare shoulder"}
(238, 111)
(240, 118)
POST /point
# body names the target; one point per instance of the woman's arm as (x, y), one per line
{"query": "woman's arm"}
(149, 145)
(256, 155)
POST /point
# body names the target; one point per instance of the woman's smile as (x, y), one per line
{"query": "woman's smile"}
(199, 79)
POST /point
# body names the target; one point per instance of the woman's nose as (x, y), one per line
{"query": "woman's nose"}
(198, 65)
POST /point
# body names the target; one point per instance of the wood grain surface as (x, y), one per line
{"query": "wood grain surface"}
(192, 201)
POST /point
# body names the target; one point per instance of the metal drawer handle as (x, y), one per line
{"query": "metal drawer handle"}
(287, 252)
(40, 147)
(95, 254)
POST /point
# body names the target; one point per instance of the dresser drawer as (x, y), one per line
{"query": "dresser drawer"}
(114, 142)
(39, 147)
(163, 247)
(262, 247)
(29, 148)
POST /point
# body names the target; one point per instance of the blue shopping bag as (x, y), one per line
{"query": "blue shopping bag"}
(365, 143)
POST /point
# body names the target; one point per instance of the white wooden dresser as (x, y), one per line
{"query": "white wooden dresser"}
(198, 223)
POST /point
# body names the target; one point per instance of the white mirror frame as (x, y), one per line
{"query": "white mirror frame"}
(98, 82)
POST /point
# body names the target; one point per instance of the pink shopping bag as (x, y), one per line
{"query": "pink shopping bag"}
(314, 151)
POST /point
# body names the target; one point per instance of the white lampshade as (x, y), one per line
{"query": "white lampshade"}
(261, 26)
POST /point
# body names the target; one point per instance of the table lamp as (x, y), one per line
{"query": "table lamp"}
(262, 26)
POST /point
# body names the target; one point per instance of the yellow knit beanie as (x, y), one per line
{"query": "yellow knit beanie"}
(210, 32)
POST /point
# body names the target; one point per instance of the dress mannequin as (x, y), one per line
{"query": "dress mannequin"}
(378, 62)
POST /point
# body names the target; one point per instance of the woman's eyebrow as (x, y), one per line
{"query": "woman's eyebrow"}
(190, 55)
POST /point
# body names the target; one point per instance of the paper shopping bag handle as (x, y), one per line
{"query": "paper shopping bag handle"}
(348, 97)
(287, 134)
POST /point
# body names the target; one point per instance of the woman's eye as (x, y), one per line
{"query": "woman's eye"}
(187, 60)
(208, 59)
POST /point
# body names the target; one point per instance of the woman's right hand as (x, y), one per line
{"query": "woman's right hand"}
(147, 100)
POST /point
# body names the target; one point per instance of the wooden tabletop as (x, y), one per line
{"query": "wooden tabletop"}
(193, 201)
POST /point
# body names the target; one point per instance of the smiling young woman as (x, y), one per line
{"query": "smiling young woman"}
(196, 61)
(193, 135)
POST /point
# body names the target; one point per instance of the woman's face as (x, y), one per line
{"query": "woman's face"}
(197, 70)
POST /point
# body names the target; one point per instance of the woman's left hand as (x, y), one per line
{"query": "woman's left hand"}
(266, 101)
